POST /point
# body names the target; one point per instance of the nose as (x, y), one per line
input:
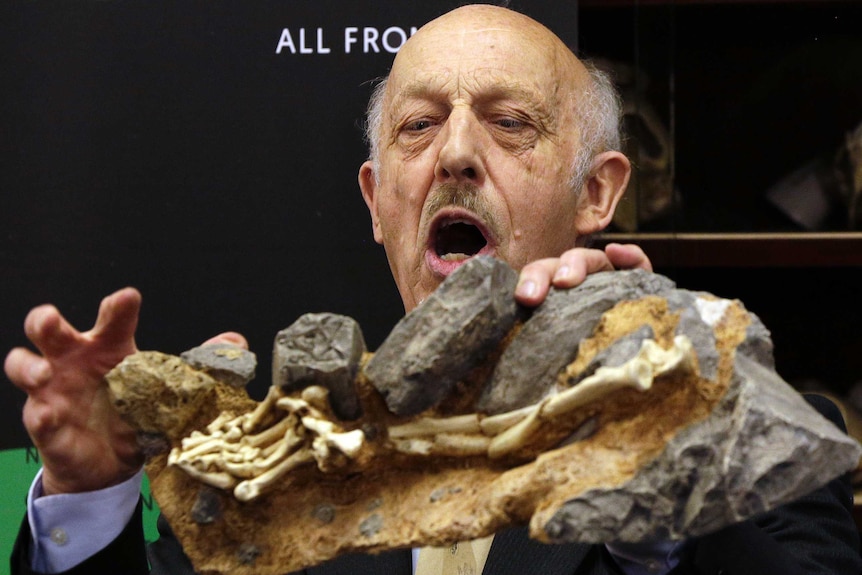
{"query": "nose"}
(462, 152)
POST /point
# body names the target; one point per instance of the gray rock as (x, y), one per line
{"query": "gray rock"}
(702, 338)
(762, 446)
(321, 349)
(152, 444)
(442, 340)
(228, 363)
(549, 340)
(324, 512)
(371, 525)
(758, 343)
(207, 506)
(248, 553)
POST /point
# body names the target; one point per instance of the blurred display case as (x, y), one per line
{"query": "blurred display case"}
(744, 123)
(745, 128)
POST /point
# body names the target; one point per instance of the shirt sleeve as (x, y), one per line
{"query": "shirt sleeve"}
(657, 558)
(68, 528)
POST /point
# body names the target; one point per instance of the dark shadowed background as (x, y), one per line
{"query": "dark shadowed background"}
(168, 146)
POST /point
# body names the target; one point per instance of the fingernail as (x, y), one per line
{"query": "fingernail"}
(527, 288)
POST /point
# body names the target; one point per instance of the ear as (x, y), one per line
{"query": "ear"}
(605, 184)
(368, 185)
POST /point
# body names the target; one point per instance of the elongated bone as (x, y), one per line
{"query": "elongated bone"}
(427, 426)
(251, 488)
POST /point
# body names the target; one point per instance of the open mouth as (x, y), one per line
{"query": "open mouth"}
(458, 240)
(454, 240)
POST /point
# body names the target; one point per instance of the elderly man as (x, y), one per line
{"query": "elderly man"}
(489, 137)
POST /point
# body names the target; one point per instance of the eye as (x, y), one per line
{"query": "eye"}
(510, 123)
(418, 125)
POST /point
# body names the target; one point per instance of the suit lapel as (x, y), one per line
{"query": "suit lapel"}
(514, 553)
(397, 562)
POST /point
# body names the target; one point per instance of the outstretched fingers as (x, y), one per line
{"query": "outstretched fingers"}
(83, 442)
(49, 331)
(118, 317)
(26, 369)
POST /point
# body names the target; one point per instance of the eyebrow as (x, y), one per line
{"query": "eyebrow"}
(423, 89)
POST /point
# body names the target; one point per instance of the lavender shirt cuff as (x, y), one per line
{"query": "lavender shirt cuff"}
(70, 527)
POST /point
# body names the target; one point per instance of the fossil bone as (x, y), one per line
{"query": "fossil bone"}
(300, 434)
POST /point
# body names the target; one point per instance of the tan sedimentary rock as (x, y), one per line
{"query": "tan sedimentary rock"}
(648, 422)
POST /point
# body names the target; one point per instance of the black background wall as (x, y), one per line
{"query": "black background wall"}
(170, 147)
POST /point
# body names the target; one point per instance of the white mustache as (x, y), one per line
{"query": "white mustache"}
(465, 196)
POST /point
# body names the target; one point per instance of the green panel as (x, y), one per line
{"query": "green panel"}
(17, 469)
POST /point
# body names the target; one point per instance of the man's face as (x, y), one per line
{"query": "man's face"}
(476, 148)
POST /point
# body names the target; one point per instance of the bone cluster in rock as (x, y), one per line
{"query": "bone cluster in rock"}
(248, 453)
(242, 454)
(429, 352)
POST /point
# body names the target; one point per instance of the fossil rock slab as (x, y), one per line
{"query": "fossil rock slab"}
(667, 419)
(759, 447)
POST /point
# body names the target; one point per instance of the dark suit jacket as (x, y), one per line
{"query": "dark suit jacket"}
(813, 535)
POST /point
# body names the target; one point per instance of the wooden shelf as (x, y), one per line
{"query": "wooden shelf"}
(689, 250)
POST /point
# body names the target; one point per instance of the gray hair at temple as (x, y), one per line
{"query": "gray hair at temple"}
(597, 110)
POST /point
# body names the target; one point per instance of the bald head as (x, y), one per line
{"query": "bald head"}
(469, 26)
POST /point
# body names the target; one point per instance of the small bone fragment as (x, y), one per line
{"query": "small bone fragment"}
(252, 469)
(215, 478)
(458, 445)
(214, 444)
(497, 424)
(349, 443)
(267, 436)
(317, 397)
(468, 423)
(413, 446)
(263, 409)
(215, 425)
(251, 488)
(615, 354)
(515, 436)
(293, 404)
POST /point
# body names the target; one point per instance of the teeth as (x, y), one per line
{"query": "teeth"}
(455, 221)
(454, 257)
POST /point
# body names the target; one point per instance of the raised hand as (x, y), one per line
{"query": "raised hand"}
(83, 443)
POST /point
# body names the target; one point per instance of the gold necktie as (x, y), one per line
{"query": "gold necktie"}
(458, 559)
